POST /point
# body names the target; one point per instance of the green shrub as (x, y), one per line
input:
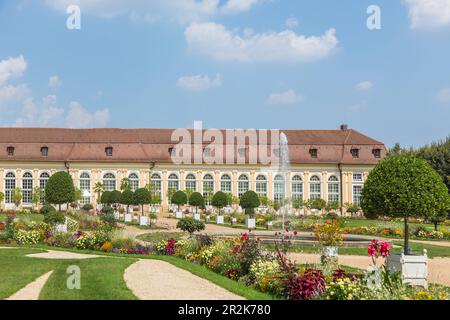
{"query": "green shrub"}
(219, 200)
(46, 208)
(106, 197)
(332, 215)
(59, 189)
(108, 218)
(196, 199)
(54, 217)
(179, 198)
(249, 201)
(107, 210)
(87, 207)
(190, 225)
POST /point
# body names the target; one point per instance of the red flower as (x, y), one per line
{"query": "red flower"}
(295, 233)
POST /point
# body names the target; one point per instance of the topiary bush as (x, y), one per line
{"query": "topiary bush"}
(46, 208)
(54, 218)
(249, 201)
(141, 197)
(219, 200)
(179, 198)
(107, 210)
(190, 225)
(87, 207)
(106, 197)
(196, 199)
(59, 189)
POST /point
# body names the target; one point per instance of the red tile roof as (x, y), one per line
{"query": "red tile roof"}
(148, 145)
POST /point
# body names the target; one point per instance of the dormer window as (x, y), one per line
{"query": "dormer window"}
(10, 151)
(109, 151)
(313, 152)
(376, 153)
(172, 151)
(44, 151)
(355, 153)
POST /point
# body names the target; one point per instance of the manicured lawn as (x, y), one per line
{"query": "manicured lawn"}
(36, 217)
(156, 237)
(432, 251)
(101, 278)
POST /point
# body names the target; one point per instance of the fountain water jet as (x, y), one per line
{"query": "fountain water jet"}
(283, 169)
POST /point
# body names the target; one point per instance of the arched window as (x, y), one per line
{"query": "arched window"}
(297, 187)
(155, 184)
(243, 185)
(173, 183)
(85, 187)
(109, 182)
(134, 181)
(261, 186)
(27, 188)
(208, 188)
(43, 178)
(279, 189)
(191, 182)
(10, 185)
(225, 183)
(333, 189)
(314, 187)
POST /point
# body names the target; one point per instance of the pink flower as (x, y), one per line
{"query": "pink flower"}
(385, 249)
(371, 251)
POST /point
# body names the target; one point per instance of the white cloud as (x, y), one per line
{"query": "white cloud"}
(12, 68)
(54, 82)
(428, 14)
(291, 23)
(199, 82)
(183, 11)
(10, 93)
(443, 95)
(215, 41)
(289, 97)
(364, 85)
(48, 114)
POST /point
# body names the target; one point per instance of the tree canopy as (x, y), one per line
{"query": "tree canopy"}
(196, 199)
(220, 200)
(59, 189)
(179, 198)
(249, 201)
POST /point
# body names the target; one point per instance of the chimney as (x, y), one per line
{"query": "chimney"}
(344, 127)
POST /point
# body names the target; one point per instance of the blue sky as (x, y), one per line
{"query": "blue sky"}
(232, 64)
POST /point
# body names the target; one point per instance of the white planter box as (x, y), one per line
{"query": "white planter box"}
(219, 219)
(197, 216)
(413, 269)
(269, 223)
(121, 216)
(250, 222)
(207, 218)
(233, 220)
(153, 221)
(128, 217)
(330, 251)
(143, 220)
(116, 215)
(178, 214)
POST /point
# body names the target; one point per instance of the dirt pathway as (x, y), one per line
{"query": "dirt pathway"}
(159, 280)
(54, 254)
(32, 290)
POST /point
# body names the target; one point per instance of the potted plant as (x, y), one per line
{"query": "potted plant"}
(405, 186)
(330, 236)
(219, 200)
(179, 198)
(249, 201)
(196, 200)
(153, 218)
(269, 220)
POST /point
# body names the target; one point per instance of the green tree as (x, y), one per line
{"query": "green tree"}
(404, 186)
(17, 197)
(319, 204)
(249, 201)
(106, 198)
(38, 193)
(59, 189)
(437, 218)
(196, 199)
(263, 200)
(127, 199)
(179, 198)
(297, 203)
(189, 192)
(115, 197)
(220, 200)
(2, 197)
(142, 197)
(77, 197)
(98, 188)
(125, 184)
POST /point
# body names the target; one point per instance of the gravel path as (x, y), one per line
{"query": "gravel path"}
(32, 290)
(159, 280)
(53, 254)
(438, 268)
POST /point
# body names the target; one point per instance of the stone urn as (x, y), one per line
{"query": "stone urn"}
(329, 256)
(413, 268)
